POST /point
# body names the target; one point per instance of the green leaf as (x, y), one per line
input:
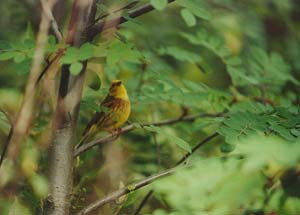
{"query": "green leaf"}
(242, 124)
(4, 45)
(234, 61)
(52, 46)
(260, 68)
(121, 52)
(29, 32)
(178, 141)
(197, 7)
(29, 43)
(76, 68)
(70, 56)
(17, 208)
(179, 54)
(39, 184)
(159, 4)
(4, 122)
(195, 87)
(279, 121)
(181, 143)
(226, 148)
(7, 55)
(51, 40)
(85, 52)
(19, 45)
(19, 57)
(188, 17)
(23, 67)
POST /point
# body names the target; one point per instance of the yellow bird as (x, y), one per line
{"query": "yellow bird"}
(116, 111)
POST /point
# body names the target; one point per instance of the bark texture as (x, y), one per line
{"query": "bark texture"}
(66, 114)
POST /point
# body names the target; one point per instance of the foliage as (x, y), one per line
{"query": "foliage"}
(236, 184)
(235, 62)
(280, 121)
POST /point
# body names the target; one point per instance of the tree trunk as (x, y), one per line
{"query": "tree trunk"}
(66, 114)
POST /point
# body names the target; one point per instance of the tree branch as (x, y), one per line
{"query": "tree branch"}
(24, 116)
(128, 6)
(196, 147)
(48, 12)
(106, 24)
(182, 160)
(111, 137)
(121, 192)
(5, 145)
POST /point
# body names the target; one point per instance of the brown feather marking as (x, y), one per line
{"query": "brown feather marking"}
(104, 119)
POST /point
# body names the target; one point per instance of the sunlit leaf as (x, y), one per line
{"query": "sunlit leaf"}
(197, 7)
(188, 17)
(85, 51)
(7, 55)
(179, 53)
(178, 141)
(159, 4)
(76, 68)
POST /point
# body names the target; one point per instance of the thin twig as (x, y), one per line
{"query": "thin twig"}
(143, 202)
(121, 192)
(196, 147)
(8, 117)
(128, 6)
(182, 160)
(5, 146)
(48, 12)
(141, 81)
(99, 27)
(6, 143)
(158, 157)
(111, 137)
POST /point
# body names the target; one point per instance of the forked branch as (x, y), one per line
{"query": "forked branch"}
(114, 196)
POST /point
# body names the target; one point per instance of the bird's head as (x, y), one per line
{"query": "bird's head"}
(118, 90)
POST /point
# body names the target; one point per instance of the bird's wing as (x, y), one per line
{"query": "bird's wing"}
(101, 118)
(94, 121)
(111, 104)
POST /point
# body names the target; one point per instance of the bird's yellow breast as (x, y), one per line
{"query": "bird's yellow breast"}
(121, 114)
(117, 115)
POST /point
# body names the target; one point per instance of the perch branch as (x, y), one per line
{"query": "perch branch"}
(111, 137)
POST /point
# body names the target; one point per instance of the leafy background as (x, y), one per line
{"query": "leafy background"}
(238, 59)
